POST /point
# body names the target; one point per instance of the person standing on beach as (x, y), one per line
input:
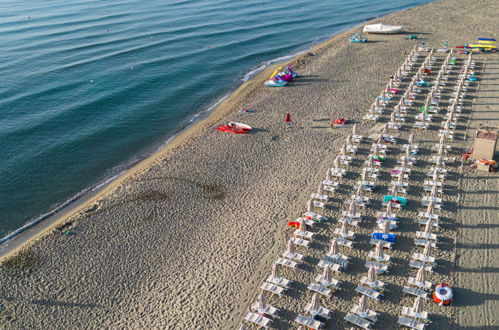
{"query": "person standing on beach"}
(288, 120)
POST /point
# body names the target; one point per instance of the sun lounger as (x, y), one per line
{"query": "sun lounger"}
(351, 149)
(323, 290)
(408, 311)
(307, 234)
(380, 267)
(423, 222)
(330, 189)
(258, 319)
(427, 215)
(350, 234)
(425, 286)
(376, 285)
(419, 264)
(423, 235)
(319, 197)
(322, 311)
(270, 287)
(371, 117)
(368, 292)
(366, 185)
(350, 215)
(358, 321)
(308, 222)
(268, 310)
(294, 256)
(371, 315)
(344, 242)
(334, 284)
(427, 199)
(286, 262)
(393, 222)
(415, 292)
(421, 125)
(338, 258)
(410, 323)
(422, 242)
(386, 244)
(328, 263)
(281, 281)
(386, 257)
(432, 183)
(318, 204)
(350, 221)
(338, 172)
(315, 217)
(308, 322)
(420, 257)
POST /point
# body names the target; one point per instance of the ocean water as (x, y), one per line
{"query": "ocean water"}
(87, 88)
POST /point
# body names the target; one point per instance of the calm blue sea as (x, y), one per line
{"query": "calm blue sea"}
(89, 87)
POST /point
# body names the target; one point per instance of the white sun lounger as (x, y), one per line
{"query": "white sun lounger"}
(327, 263)
(386, 257)
(344, 242)
(376, 285)
(315, 216)
(358, 321)
(330, 183)
(281, 281)
(330, 189)
(425, 286)
(409, 311)
(423, 235)
(371, 117)
(350, 221)
(300, 242)
(322, 311)
(286, 262)
(258, 319)
(333, 285)
(371, 315)
(386, 245)
(276, 289)
(422, 242)
(294, 256)
(420, 257)
(308, 222)
(351, 149)
(380, 267)
(338, 172)
(419, 264)
(268, 310)
(431, 216)
(428, 199)
(307, 234)
(319, 197)
(415, 292)
(321, 289)
(368, 292)
(410, 323)
(338, 258)
(350, 234)
(308, 322)
(350, 215)
(318, 204)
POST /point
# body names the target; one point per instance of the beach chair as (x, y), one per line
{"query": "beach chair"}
(409, 311)
(309, 322)
(377, 285)
(393, 222)
(286, 262)
(423, 222)
(258, 319)
(306, 235)
(344, 242)
(308, 222)
(415, 292)
(349, 221)
(321, 289)
(328, 263)
(333, 284)
(368, 292)
(370, 117)
(366, 185)
(386, 257)
(425, 286)
(338, 172)
(350, 234)
(318, 204)
(380, 267)
(410, 323)
(294, 256)
(272, 288)
(420, 257)
(386, 244)
(370, 315)
(268, 310)
(351, 149)
(281, 281)
(418, 264)
(330, 189)
(315, 217)
(350, 215)
(321, 312)
(428, 199)
(429, 216)
(422, 242)
(358, 321)
(426, 236)
(338, 258)
(321, 197)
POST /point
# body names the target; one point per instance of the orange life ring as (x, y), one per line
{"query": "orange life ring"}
(487, 162)
(442, 294)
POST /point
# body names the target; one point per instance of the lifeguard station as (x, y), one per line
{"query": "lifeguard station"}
(485, 146)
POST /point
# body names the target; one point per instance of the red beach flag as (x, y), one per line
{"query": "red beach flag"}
(288, 118)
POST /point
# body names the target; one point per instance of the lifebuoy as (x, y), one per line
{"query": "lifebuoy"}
(442, 294)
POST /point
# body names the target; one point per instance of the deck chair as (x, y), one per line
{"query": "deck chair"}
(308, 222)
(376, 285)
(272, 288)
(386, 257)
(411, 323)
(344, 242)
(386, 244)
(350, 234)
(408, 311)
(422, 242)
(325, 291)
(294, 256)
(258, 319)
(286, 262)
(380, 267)
(334, 284)
(308, 322)
(328, 263)
(322, 197)
(322, 311)
(350, 221)
(415, 292)
(423, 235)
(339, 259)
(281, 281)
(419, 264)
(425, 286)
(420, 257)
(306, 235)
(268, 310)
(300, 242)
(318, 204)
(315, 217)
(368, 292)
(358, 321)
(371, 315)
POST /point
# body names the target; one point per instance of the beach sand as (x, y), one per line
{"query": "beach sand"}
(184, 240)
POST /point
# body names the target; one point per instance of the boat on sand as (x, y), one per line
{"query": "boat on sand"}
(383, 28)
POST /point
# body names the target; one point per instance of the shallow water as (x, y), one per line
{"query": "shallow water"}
(89, 87)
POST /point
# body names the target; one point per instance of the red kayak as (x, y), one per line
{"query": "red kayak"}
(236, 128)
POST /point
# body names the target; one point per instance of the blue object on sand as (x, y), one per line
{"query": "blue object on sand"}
(390, 238)
(395, 199)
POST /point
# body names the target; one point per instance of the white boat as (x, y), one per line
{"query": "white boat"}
(383, 28)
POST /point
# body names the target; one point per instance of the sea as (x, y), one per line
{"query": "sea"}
(88, 88)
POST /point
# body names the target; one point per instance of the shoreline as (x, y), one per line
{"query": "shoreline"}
(22, 237)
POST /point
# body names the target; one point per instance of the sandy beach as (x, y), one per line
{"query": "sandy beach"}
(184, 240)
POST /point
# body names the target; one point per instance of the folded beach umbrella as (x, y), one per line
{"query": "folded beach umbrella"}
(392, 116)
(315, 304)
(427, 249)
(328, 175)
(400, 178)
(360, 192)
(352, 208)
(320, 190)
(427, 228)
(342, 150)
(408, 151)
(326, 274)
(262, 301)
(386, 230)
(371, 275)
(275, 271)
(421, 276)
(363, 305)
(309, 206)
(430, 208)
(336, 162)
(369, 162)
(344, 229)
(403, 165)
(354, 129)
(378, 251)
(417, 308)
(291, 246)
(389, 208)
(411, 138)
(364, 175)
(434, 191)
(333, 250)
(348, 140)
(303, 226)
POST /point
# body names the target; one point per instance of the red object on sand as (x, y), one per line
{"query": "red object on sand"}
(288, 118)
(236, 128)
(340, 121)
(427, 71)
(295, 224)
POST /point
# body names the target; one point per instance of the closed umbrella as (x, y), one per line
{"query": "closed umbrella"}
(421, 276)
(371, 275)
(336, 162)
(427, 227)
(403, 164)
(386, 227)
(370, 162)
(309, 206)
(364, 175)
(333, 250)
(291, 246)
(353, 208)
(427, 249)
(262, 301)
(411, 138)
(344, 229)
(315, 303)
(343, 150)
(275, 271)
(328, 175)
(408, 151)
(389, 209)
(354, 129)
(430, 208)
(303, 226)
(360, 192)
(434, 191)
(375, 149)
(363, 306)
(349, 139)
(320, 190)
(326, 274)
(392, 116)
(417, 308)
(378, 251)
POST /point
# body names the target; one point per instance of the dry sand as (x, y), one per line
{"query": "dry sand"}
(186, 238)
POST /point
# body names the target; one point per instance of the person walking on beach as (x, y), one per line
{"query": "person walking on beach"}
(288, 120)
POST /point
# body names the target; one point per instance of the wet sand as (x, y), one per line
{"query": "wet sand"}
(184, 240)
